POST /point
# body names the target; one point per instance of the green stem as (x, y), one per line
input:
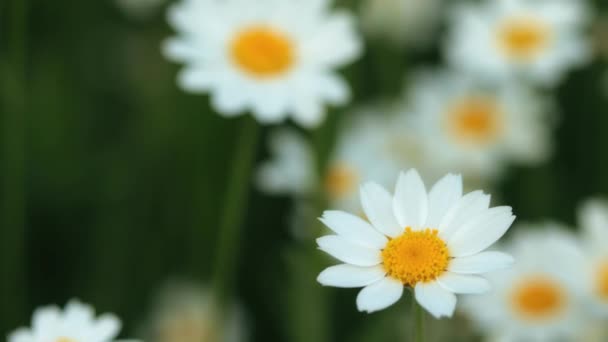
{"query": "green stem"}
(418, 316)
(12, 183)
(235, 205)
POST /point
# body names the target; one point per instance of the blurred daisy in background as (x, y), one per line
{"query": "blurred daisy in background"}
(474, 129)
(430, 242)
(401, 22)
(274, 58)
(593, 219)
(184, 313)
(539, 299)
(361, 154)
(536, 41)
(74, 324)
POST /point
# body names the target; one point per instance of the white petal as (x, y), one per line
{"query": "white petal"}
(350, 276)
(444, 194)
(106, 328)
(435, 299)
(458, 283)
(378, 207)
(21, 335)
(481, 263)
(348, 252)
(353, 229)
(480, 232)
(410, 203)
(468, 206)
(379, 295)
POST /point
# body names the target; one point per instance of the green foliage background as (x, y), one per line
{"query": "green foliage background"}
(124, 176)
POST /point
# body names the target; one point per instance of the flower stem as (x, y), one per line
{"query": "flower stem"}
(12, 154)
(235, 205)
(418, 317)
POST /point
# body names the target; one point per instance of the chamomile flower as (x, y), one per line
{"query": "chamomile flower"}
(185, 313)
(537, 41)
(360, 155)
(77, 323)
(432, 242)
(537, 300)
(477, 129)
(401, 22)
(593, 217)
(275, 58)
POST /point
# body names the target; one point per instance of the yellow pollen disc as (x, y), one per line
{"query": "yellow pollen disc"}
(523, 38)
(475, 120)
(416, 256)
(340, 180)
(602, 281)
(65, 339)
(263, 52)
(539, 298)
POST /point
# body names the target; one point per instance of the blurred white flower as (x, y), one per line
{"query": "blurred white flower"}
(537, 300)
(593, 218)
(362, 153)
(185, 313)
(535, 41)
(401, 22)
(475, 129)
(77, 323)
(431, 242)
(139, 8)
(275, 58)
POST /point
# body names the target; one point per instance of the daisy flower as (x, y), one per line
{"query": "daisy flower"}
(275, 58)
(431, 242)
(537, 300)
(77, 323)
(593, 217)
(184, 313)
(360, 155)
(534, 40)
(410, 22)
(474, 128)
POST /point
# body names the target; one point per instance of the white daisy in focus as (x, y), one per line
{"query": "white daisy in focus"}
(185, 313)
(432, 242)
(77, 323)
(401, 22)
(593, 219)
(475, 129)
(537, 300)
(537, 41)
(275, 58)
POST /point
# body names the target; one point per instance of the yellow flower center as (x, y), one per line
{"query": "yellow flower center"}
(602, 280)
(263, 52)
(523, 38)
(416, 256)
(475, 120)
(539, 298)
(340, 180)
(65, 339)
(187, 330)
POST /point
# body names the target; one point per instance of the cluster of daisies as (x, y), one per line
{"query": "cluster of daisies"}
(486, 108)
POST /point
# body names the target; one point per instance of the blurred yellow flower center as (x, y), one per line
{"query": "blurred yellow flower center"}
(187, 330)
(416, 256)
(602, 281)
(340, 180)
(65, 339)
(475, 120)
(539, 298)
(263, 52)
(523, 38)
